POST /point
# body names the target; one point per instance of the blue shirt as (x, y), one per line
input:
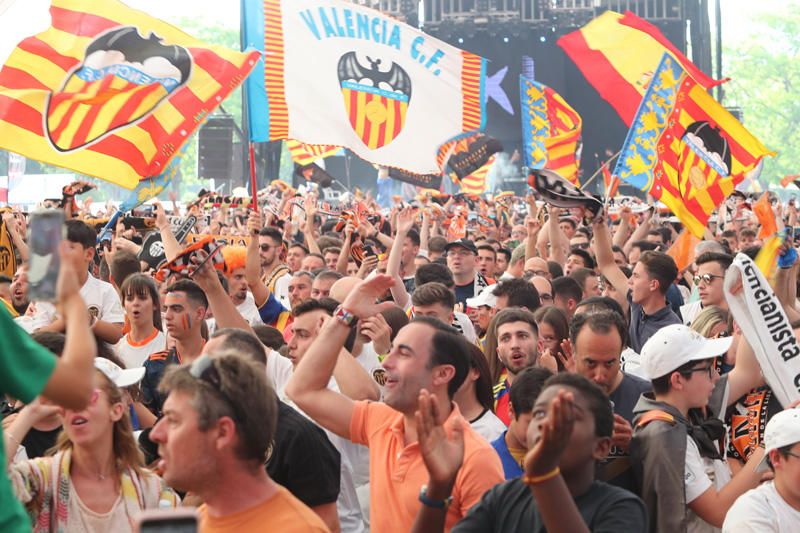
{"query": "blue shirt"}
(511, 468)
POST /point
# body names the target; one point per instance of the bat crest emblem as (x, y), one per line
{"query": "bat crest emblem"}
(122, 79)
(376, 100)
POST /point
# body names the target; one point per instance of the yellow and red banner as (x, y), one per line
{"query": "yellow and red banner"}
(619, 53)
(111, 92)
(685, 149)
(475, 183)
(304, 154)
(551, 130)
(341, 73)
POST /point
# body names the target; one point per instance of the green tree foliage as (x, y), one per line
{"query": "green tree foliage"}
(765, 84)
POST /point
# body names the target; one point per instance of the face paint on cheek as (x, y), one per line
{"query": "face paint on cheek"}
(187, 322)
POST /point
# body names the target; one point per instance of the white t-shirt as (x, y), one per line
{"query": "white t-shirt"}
(700, 473)
(761, 509)
(247, 309)
(101, 300)
(488, 426)
(134, 354)
(282, 290)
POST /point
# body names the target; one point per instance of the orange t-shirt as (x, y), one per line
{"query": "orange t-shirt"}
(283, 512)
(397, 472)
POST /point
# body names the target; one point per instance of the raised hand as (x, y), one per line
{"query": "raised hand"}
(362, 299)
(254, 223)
(442, 448)
(161, 216)
(554, 433)
(546, 360)
(376, 329)
(567, 355)
(405, 219)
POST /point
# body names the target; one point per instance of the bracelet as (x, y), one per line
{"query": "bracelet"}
(535, 480)
(344, 317)
(436, 504)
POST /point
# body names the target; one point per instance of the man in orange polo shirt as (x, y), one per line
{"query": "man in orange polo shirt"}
(427, 355)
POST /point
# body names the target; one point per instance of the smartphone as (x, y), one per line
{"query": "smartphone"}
(179, 520)
(46, 231)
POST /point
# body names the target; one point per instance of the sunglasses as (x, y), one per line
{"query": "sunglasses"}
(265, 247)
(203, 369)
(582, 245)
(706, 278)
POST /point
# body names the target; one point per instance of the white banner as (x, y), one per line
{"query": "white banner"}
(759, 314)
(342, 74)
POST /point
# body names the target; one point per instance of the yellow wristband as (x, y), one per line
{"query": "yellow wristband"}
(535, 480)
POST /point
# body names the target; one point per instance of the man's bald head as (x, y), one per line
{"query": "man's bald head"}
(343, 287)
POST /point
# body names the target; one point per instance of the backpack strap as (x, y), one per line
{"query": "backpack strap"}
(655, 414)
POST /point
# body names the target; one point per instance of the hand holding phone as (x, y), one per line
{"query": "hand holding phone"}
(46, 233)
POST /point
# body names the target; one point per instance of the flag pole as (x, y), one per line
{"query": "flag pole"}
(251, 151)
(593, 176)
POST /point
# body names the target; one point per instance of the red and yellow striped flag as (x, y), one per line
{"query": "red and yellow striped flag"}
(475, 183)
(618, 55)
(685, 149)
(111, 92)
(305, 154)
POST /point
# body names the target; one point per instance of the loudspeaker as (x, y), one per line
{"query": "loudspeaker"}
(215, 148)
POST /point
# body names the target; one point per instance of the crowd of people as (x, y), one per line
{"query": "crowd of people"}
(307, 368)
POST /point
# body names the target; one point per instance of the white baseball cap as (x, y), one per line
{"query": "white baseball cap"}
(119, 377)
(675, 345)
(485, 297)
(783, 429)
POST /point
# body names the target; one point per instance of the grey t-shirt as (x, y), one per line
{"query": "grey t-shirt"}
(643, 326)
(510, 507)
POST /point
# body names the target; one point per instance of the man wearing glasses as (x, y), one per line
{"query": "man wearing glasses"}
(711, 267)
(276, 275)
(681, 473)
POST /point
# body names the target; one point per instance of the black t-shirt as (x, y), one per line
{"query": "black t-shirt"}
(747, 419)
(627, 394)
(465, 291)
(37, 442)
(510, 507)
(615, 469)
(303, 460)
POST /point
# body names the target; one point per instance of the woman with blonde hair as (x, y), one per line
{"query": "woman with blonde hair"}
(95, 479)
(711, 322)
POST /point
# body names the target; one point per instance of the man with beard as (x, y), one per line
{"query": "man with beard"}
(517, 338)
(427, 355)
(598, 340)
(218, 425)
(275, 274)
(294, 257)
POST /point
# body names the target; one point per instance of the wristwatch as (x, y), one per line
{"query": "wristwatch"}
(436, 504)
(344, 316)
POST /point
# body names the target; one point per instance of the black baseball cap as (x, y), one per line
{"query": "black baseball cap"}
(463, 243)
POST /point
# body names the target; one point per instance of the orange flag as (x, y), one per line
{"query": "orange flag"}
(682, 250)
(766, 217)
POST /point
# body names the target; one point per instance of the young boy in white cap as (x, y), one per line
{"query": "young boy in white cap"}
(682, 475)
(775, 505)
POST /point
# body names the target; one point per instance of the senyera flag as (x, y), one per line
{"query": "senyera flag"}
(306, 154)
(551, 129)
(111, 92)
(618, 55)
(342, 74)
(685, 149)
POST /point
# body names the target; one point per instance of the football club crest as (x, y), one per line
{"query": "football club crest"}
(376, 100)
(122, 79)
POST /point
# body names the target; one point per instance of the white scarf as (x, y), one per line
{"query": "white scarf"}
(760, 315)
